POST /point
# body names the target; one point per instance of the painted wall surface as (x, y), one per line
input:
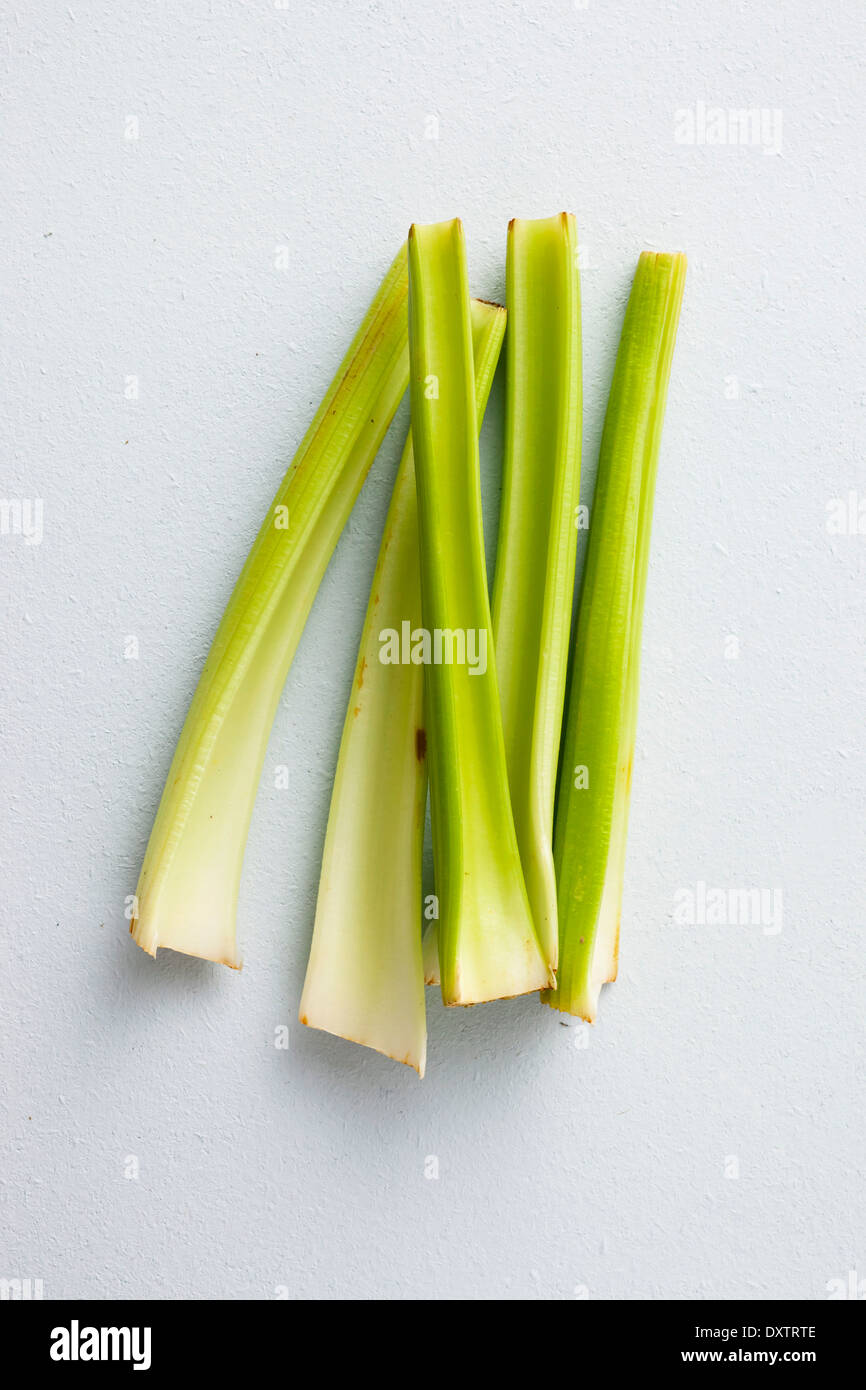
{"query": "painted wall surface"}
(199, 202)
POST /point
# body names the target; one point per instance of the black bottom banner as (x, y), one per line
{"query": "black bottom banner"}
(231, 1338)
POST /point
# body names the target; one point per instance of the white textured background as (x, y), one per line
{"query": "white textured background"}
(302, 126)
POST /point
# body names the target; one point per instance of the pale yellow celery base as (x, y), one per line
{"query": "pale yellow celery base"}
(483, 974)
(188, 900)
(500, 955)
(368, 985)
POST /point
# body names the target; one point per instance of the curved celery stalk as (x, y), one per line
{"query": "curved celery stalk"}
(365, 979)
(188, 889)
(534, 583)
(488, 948)
(595, 778)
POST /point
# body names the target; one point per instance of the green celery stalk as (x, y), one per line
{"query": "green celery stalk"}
(534, 583)
(188, 888)
(365, 979)
(601, 721)
(610, 912)
(488, 947)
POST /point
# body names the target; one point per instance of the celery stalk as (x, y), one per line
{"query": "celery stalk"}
(534, 584)
(610, 912)
(188, 889)
(601, 721)
(488, 947)
(365, 979)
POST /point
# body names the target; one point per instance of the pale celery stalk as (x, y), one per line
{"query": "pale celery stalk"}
(365, 979)
(598, 748)
(488, 947)
(534, 583)
(188, 889)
